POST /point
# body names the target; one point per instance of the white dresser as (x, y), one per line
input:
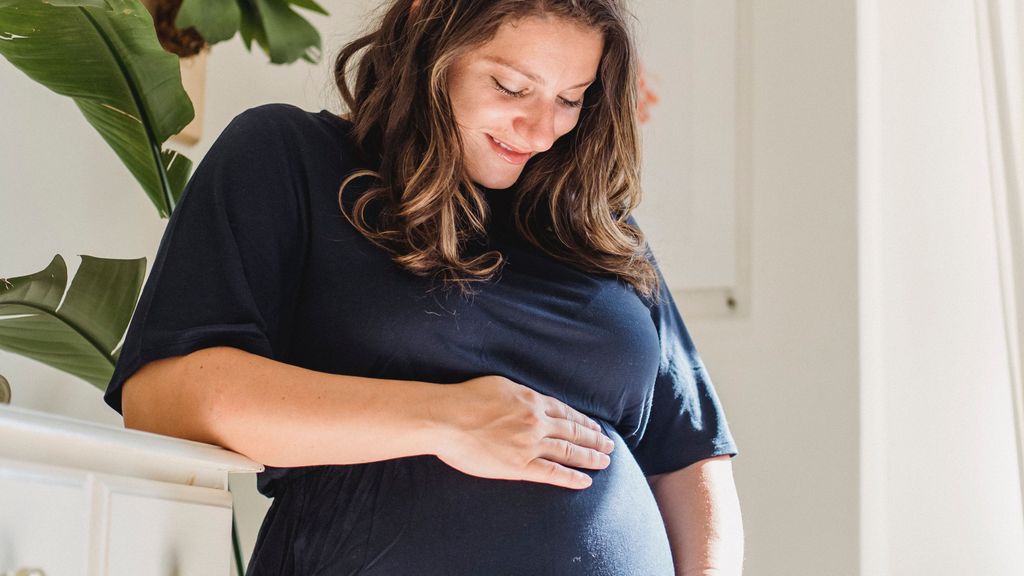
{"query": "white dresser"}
(85, 499)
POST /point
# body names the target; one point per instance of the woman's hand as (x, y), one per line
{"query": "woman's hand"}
(501, 429)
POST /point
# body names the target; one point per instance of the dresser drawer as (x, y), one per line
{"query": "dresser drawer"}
(45, 520)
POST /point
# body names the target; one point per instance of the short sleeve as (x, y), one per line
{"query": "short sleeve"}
(229, 264)
(686, 420)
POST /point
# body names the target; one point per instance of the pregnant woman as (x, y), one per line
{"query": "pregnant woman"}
(435, 320)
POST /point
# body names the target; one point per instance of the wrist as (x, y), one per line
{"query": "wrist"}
(438, 425)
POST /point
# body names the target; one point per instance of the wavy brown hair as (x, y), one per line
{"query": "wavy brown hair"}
(571, 201)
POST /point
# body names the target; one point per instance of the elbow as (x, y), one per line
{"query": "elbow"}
(162, 398)
(139, 398)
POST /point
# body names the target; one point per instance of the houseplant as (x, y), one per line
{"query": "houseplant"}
(106, 56)
(184, 28)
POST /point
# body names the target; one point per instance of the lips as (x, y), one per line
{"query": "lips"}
(510, 156)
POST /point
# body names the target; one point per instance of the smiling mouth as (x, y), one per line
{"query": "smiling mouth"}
(509, 155)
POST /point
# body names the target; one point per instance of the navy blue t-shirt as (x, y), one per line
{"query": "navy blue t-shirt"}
(258, 256)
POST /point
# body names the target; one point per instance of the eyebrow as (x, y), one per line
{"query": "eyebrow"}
(534, 77)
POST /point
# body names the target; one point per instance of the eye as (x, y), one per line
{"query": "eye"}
(506, 91)
(572, 103)
(520, 94)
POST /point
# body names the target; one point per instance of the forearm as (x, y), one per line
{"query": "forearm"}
(283, 415)
(701, 511)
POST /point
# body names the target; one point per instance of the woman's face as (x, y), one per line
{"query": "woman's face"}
(522, 89)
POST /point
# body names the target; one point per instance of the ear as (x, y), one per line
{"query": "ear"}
(415, 5)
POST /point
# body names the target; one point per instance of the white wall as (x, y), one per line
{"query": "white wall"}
(788, 374)
(941, 492)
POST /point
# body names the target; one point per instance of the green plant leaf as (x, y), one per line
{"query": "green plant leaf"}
(250, 27)
(215, 20)
(309, 5)
(72, 329)
(105, 56)
(288, 34)
(178, 169)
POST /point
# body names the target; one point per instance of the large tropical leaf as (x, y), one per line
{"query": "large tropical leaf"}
(104, 54)
(250, 28)
(74, 329)
(215, 20)
(280, 31)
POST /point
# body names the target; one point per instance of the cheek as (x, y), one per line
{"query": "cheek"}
(473, 107)
(462, 99)
(484, 111)
(566, 122)
(475, 112)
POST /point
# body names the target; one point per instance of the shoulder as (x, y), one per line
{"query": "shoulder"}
(287, 120)
(655, 301)
(284, 134)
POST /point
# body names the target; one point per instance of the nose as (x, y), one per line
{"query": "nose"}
(537, 126)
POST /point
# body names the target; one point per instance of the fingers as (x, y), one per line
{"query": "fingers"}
(566, 439)
(569, 454)
(577, 434)
(562, 410)
(570, 442)
(548, 472)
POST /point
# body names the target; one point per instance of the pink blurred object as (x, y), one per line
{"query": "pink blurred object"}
(645, 96)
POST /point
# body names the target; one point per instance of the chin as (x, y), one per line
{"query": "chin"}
(496, 182)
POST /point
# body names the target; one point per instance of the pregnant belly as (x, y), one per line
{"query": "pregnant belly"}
(420, 516)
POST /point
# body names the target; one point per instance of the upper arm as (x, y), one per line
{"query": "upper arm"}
(653, 479)
(229, 263)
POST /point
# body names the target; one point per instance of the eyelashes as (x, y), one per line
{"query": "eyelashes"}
(507, 92)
